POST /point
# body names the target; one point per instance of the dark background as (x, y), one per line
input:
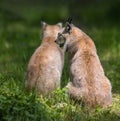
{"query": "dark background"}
(83, 12)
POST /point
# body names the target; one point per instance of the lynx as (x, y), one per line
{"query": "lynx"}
(88, 81)
(46, 64)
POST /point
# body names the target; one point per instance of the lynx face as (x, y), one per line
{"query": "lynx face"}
(60, 40)
(67, 35)
(64, 35)
(50, 30)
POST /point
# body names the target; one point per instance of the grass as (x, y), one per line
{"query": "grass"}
(18, 41)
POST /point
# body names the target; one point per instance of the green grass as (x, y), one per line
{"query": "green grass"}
(18, 40)
(17, 43)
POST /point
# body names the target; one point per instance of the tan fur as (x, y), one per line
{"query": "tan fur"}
(51, 30)
(88, 81)
(46, 64)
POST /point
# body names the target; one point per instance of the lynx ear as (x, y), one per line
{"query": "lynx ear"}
(59, 24)
(44, 24)
(68, 27)
(69, 20)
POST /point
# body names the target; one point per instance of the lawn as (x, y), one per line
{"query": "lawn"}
(18, 40)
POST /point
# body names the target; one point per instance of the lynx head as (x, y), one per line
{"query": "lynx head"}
(50, 30)
(64, 37)
(69, 35)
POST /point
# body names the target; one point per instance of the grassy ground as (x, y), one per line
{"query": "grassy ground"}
(18, 41)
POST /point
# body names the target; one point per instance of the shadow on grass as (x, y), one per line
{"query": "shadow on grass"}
(112, 69)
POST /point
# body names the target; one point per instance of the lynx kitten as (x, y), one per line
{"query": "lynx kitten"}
(46, 64)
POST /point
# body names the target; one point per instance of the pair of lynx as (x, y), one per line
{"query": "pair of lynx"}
(88, 81)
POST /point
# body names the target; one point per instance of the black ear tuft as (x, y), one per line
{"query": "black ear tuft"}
(69, 20)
